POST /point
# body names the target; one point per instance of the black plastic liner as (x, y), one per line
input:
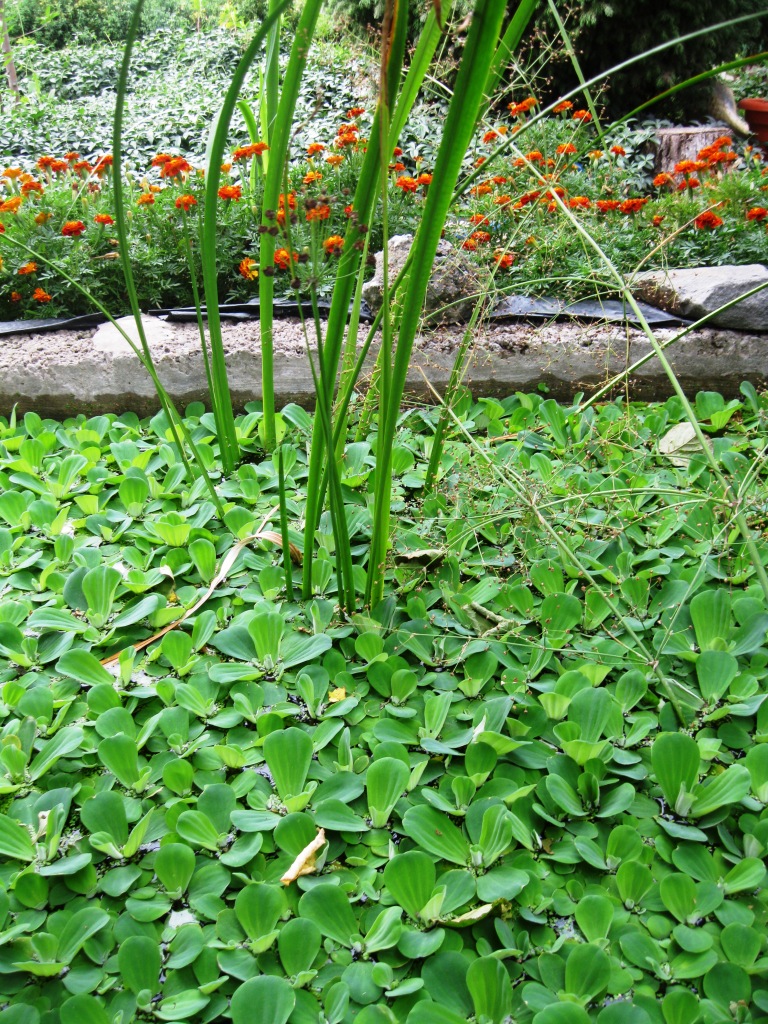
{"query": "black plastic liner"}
(513, 308)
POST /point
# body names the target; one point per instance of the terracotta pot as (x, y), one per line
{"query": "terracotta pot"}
(756, 114)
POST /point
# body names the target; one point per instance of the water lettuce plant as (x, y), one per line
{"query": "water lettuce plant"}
(473, 801)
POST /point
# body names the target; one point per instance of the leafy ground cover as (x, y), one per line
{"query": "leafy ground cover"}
(57, 191)
(530, 784)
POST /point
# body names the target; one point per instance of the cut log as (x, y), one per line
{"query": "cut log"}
(676, 143)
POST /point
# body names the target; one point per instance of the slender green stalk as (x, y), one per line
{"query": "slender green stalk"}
(460, 123)
(577, 68)
(344, 569)
(196, 298)
(287, 564)
(348, 375)
(253, 134)
(454, 381)
(221, 398)
(349, 261)
(121, 226)
(509, 44)
(280, 129)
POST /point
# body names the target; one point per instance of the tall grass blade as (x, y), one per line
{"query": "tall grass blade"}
(349, 262)
(279, 138)
(509, 44)
(221, 398)
(460, 123)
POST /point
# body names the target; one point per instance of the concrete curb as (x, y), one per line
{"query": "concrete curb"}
(94, 370)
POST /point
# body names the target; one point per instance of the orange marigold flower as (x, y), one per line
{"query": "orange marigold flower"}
(607, 205)
(11, 205)
(27, 268)
(102, 164)
(562, 107)
(566, 148)
(103, 219)
(504, 260)
(248, 269)
(312, 177)
(2, 229)
(490, 135)
(246, 152)
(348, 209)
(185, 203)
(579, 203)
(12, 172)
(15, 296)
(534, 157)
(283, 259)
(321, 212)
(146, 199)
(469, 243)
(407, 184)
(707, 221)
(226, 168)
(354, 112)
(335, 159)
(424, 179)
(632, 205)
(231, 192)
(44, 161)
(685, 167)
(499, 179)
(397, 168)
(480, 161)
(82, 167)
(397, 151)
(161, 160)
(688, 183)
(333, 245)
(481, 237)
(315, 147)
(32, 186)
(71, 156)
(657, 219)
(663, 179)
(516, 109)
(59, 166)
(502, 200)
(40, 295)
(176, 167)
(595, 154)
(478, 218)
(581, 115)
(73, 229)
(757, 213)
(618, 151)
(481, 190)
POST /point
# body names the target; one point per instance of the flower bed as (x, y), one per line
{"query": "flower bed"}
(524, 177)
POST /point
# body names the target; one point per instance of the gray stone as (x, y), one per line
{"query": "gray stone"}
(694, 294)
(455, 287)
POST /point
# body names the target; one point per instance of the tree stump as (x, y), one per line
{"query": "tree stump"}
(676, 143)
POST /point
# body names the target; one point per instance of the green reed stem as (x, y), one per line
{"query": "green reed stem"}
(459, 125)
(221, 398)
(279, 138)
